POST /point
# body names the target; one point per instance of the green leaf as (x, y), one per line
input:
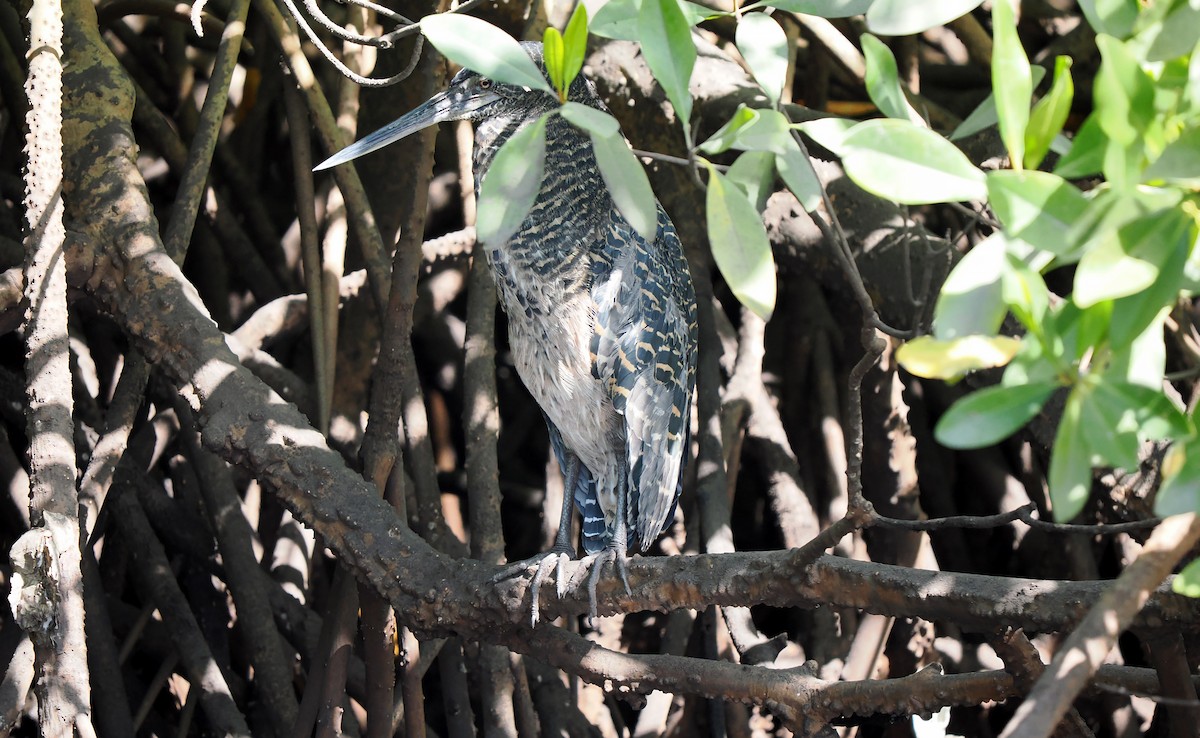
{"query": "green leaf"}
(1109, 209)
(1180, 491)
(751, 130)
(511, 185)
(914, 166)
(726, 136)
(1187, 582)
(740, 246)
(1109, 428)
(827, 132)
(1011, 80)
(764, 46)
(971, 301)
(595, 122)
(799, 176)
(883, 81)
(754, 172)
(1144, 362)
(984, 114)
(1024, 292)
(905, 17)
(1032, 364)
(1174, 35)
(1128, 261)
(823, 8)
(1049, 114)
(1133, 314)
(1070, 475)
(1114, 17)
(931, 358)
(1141, 410)
(666, 39)
(1036, 207)
(627, 183)
(618, 19)
(1086, 156)
(478, 45)
(990, 415)
(1124, 94)
(1179, 163)
(552, 54)
(574, 44)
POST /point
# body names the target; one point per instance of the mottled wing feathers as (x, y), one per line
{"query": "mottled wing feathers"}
(644, 349)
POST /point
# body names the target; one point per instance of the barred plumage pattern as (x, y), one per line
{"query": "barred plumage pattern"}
(602, 324)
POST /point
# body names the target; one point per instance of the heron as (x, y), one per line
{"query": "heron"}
(602, 325)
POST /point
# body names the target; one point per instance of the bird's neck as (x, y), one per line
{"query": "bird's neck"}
(572, 195)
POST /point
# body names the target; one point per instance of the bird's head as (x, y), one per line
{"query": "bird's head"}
(470, 96)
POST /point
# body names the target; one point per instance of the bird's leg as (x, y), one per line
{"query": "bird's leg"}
(562, 551)
(615, 550)
(559, 554)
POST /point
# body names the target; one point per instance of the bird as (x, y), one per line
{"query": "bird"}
(602, 325)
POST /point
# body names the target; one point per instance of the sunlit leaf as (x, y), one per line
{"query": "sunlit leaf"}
(1113, 17)
(511, 185)
(751, 130)
(883, 81)
(754, 172)
(823, 8)
(1109, 428)
(667, 46)
(984, 114)
(1144, 361)
(1179, 163)
(1086, 156)
(1070, 476)
(915, 166)
(933, 359)
(1133, 314)
(1129, 260)
(799, 176)
(971, 302)
(1142, 410)
(1173, 36)
(1124, 93)
(574, 44)
(627, 183)
(828, 132)
(618, 19)
(1049, 114)
(1180, 491)
(1036, 207)
(726, 136)
(1187, 582)
(552, 56)
(1024, 291)
(596, 122)
(478, 45)
(740, 246)
(905, 17)
(1011, 80)
(764, 46)
(990, 415)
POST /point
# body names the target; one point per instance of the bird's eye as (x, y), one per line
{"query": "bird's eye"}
(485, 83)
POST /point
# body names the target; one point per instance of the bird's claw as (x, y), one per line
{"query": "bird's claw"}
(597, 562)
(540, 565)
(552, 560)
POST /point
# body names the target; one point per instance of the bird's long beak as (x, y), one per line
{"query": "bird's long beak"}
(452, 104)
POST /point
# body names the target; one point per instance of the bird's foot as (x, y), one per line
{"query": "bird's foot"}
(612, 553)
(541, 565)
